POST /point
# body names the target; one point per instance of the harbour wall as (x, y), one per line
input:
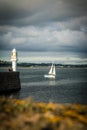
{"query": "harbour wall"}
(9, 81)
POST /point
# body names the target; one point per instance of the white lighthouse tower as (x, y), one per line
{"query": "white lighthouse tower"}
(14, 60)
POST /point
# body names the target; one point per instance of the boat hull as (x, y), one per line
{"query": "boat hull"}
(50, 76)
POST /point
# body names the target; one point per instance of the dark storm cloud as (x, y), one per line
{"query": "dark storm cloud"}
(26, 12)
(19, 12)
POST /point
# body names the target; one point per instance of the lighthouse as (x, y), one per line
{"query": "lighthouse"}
(14, 59)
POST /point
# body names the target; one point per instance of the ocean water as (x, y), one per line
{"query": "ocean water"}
(70, 85)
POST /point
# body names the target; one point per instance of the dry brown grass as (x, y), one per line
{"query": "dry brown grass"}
(30, 115)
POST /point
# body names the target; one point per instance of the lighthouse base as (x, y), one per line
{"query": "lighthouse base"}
(9, 81)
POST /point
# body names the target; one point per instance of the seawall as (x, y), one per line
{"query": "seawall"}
(9, 81)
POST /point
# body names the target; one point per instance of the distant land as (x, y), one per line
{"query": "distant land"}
(8, 63)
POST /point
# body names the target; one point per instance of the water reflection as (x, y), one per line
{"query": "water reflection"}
(52, 82)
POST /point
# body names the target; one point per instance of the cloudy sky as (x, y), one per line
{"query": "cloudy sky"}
(44, 25)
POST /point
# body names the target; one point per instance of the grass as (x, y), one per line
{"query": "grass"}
(27, 114)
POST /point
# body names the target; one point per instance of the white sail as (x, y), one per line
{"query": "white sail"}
(51, 69)
(54, 71)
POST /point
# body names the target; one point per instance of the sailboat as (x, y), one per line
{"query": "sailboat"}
(52, 72)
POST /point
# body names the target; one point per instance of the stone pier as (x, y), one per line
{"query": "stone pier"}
(9, 81)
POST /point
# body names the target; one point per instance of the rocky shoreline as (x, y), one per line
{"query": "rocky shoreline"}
(27, 114)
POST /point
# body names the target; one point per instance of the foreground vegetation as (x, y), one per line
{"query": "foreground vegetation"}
(27, 114)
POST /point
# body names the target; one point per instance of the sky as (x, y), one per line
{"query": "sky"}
(44, 26)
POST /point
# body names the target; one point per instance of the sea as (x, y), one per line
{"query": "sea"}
(69, 86)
